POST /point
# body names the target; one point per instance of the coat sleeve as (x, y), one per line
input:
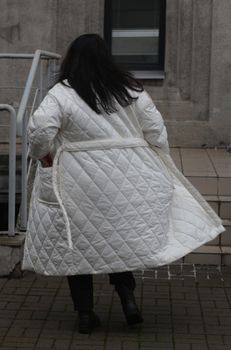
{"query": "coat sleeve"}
(43, 127)
(151, 122)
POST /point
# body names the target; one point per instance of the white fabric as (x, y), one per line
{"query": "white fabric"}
(113, 200)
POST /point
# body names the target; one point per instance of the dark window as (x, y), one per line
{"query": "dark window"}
(135, 32)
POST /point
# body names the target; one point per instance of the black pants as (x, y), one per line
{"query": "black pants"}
(81, 288)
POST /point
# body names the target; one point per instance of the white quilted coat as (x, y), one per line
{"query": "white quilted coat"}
(113, 200)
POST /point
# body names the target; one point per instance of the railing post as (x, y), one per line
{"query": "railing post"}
(23, 222)
(41, 81)
(12, 169)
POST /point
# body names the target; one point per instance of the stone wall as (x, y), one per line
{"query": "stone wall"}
(194, 97)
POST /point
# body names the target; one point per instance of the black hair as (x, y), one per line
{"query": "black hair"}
(89, 69)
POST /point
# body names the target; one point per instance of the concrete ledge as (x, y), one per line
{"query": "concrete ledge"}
(12, 241)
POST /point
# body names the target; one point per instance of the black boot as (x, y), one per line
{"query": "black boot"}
(131, 311)
(87, 322)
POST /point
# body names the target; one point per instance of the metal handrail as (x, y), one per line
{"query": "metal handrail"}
(22, 116)
(44, 54)
(26, 94)
(12, 169)
(22, 119)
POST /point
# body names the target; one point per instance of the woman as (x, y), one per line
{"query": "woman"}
(107, 197)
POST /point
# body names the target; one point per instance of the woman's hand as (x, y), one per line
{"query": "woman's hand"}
(46, 161)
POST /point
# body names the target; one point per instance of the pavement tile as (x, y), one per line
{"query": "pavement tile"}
(227, 339)
(202, 347)
(157, 346)
(22, 343)
(32, 332)
(62, 344)
(5, 322)
(89, 347)
(224, 320)
(15, 332)
(56, 334)
(7, 314)
(181, 328)
(185, 307)
(3, 281)
(218, 347)
(190, 338)
(27, 323)
(24, 314)
(196, 329)
(130, 346)
(215, 339)
(45, 344)
(183, 347)
(218, 330)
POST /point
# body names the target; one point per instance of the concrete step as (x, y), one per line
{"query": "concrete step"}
(224, 239)
(4, 167)
(221, 205)
(217, 251)
(209, 254)
(209, 170)
(12, 241)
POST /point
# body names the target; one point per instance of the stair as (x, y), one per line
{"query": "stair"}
(209, 170)
(4, 178)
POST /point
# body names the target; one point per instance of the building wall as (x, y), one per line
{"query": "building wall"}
(194, 97)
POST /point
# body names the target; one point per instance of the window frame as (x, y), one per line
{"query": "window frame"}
(139, 67)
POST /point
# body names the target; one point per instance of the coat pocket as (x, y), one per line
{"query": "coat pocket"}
(45, 186)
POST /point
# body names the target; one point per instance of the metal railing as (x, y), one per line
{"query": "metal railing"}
(12, 169)
(23, 114)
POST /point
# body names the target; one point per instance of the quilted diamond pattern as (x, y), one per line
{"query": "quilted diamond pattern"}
(126, 206)
(126, 210)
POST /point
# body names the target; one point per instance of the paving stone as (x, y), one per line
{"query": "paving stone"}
(130, 346)
(24, 314)
(13, 306)
(218, 330)
(202, 347)
(89, 347)
(183, 346)
(181, 328)
(15, 332)
(39, 315)
(22, 343)
(5, 322)
(214, 339)
(225, 320)
(27, 323)
(156, 345)
(46, 343)
(190, 338)
(227, 339)
(196, 329)
(32, 332)
(218, 347)
(166, 338)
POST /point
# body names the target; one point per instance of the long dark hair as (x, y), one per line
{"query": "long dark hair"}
(91, 72)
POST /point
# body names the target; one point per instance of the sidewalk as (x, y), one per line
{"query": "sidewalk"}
(185, 307)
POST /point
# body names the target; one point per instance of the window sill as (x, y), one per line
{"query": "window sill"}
(148, 74)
